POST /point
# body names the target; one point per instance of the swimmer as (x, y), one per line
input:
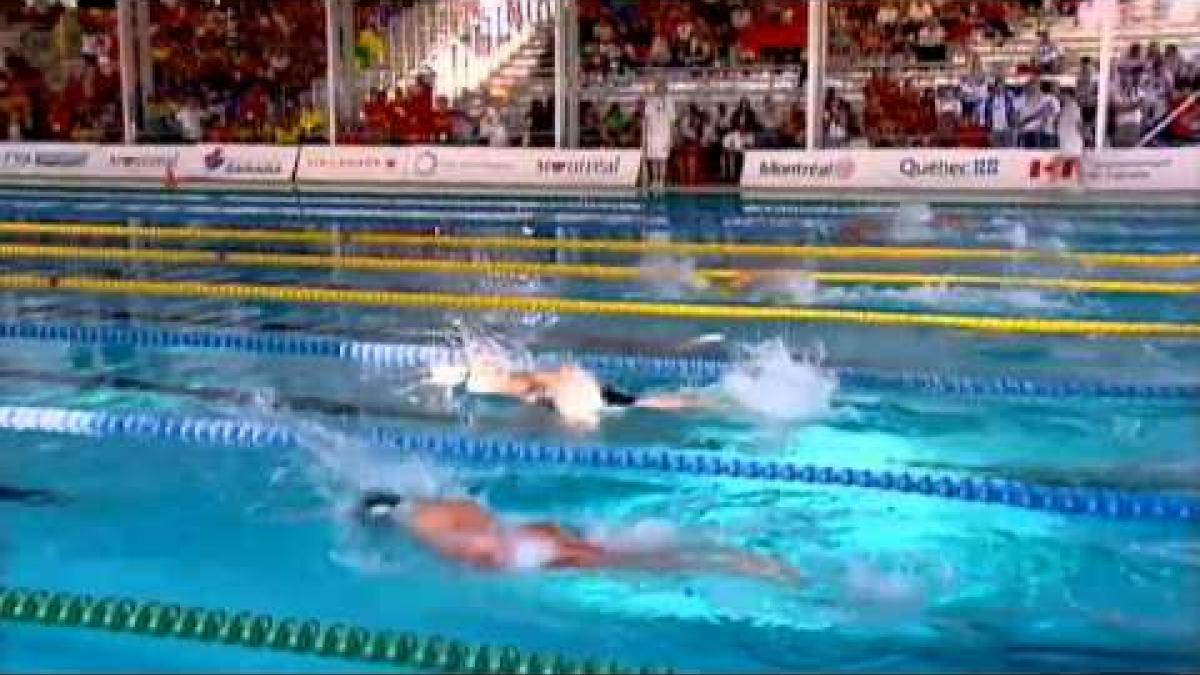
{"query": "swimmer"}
(569, 390)
(465, 532)
(28, 497)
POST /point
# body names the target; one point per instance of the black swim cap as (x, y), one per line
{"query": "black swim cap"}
(378, 504)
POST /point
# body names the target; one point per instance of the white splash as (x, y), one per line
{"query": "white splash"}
(650, 535)
(671, 277)
(912, 223)
(773, 385)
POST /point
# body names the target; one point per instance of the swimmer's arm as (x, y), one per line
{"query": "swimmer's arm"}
(678, 402)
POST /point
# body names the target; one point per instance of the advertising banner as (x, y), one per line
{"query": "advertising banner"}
(916, 169)
(241, 163)
(532, 167)
(1150, 170)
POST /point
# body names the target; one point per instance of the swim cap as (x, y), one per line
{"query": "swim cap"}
(378, 505)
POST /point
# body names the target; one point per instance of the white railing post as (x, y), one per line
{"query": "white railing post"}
(1108, 11)
(331, 69)
(125, 37)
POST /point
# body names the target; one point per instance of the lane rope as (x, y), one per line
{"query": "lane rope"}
(573, 271)
(472, 449)
(543, 305)
(306, 637)
(685, 370)
(327, 238)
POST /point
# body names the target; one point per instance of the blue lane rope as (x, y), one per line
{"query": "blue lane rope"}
(691, 371)
(1102, 503)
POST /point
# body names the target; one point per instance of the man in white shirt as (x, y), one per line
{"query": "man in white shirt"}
(1049, 55)
(1127, 103)
(997, 114)
(1032, 116)
(657, 134)
(1053, 108)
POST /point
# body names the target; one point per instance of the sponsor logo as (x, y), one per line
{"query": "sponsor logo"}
(359, 163)
(214, 160)
(64, 159)
(982, 167)
(840, 169)
(50, 159)
(603, 166)
(141, 161)
(217, 160)
(16, 159)
(426, 163)
(1129, 169)
(1059, 168)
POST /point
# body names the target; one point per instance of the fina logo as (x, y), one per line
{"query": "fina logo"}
(426, 163)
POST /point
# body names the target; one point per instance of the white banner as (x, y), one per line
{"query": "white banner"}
(241, 163)
(134, 161)
(916, 169)
(1166, 169)
(470, 166)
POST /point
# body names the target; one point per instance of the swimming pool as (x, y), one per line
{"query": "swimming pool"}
(968, 498)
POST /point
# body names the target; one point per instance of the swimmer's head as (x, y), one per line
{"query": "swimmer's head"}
(377, 506)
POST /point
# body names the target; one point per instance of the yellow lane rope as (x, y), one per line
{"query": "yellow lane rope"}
(325, 238)
(457, 302)
(597, 272)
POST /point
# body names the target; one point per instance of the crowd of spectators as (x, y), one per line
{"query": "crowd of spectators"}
(619, 37)
(897, 32)
(81, 104)
(1031, 107)
(236, 70)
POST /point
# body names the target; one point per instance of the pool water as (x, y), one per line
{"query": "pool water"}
(893, 581)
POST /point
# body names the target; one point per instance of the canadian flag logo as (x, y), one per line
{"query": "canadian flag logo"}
(1055, 170)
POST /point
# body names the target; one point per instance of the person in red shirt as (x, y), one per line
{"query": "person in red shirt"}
(442, 121)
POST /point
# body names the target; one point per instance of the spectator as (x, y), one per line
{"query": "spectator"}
(1087, 93)
(734, 145)
(837, 122)
(1032, 116)
(1127, 106)
(974, 87)
(657, 133)
(1049, 55)
(190, 118)
(772, 124)
(931, 42)
(999, 115)
(1157, 85)
(614, 126)
(492, 128)
(1053, 106)
(1070, 128)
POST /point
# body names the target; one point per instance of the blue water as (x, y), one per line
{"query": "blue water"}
(894, 581)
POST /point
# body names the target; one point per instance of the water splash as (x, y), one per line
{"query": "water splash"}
(771, 384)
(671, 277)
(913, 222)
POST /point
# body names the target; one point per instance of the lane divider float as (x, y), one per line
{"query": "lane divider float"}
(610, 273)
(1088, 501)
(543, 305)
(683, 370)
(325, 237)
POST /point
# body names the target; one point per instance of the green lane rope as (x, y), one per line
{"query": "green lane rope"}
(300, 637)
